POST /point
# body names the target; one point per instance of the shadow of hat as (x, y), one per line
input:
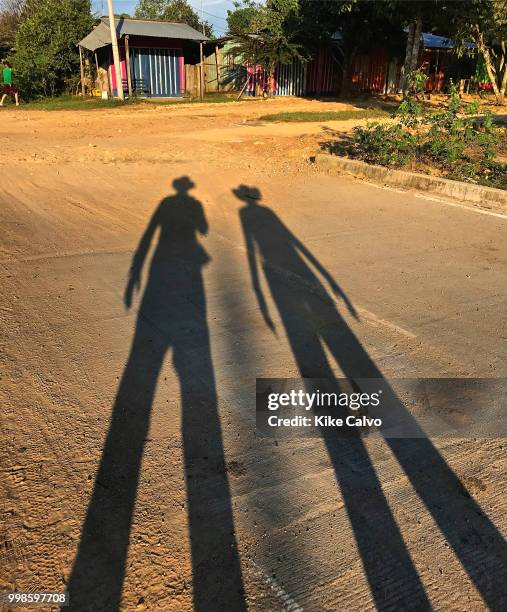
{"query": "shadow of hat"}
(246, 193)
(183, 183)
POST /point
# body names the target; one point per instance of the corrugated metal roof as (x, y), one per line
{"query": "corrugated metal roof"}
(433, 41)
(97, 38)
(100, 35)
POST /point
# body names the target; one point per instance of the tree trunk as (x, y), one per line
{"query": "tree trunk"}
(408, 55)
(490, 69)
(348, 61)
(345, 84)
(271, 80)
(417, 43)
(503, 88)
(503, 85)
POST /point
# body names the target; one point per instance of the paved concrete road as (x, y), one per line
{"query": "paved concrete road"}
(135, 321)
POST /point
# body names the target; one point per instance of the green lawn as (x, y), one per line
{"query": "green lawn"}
(369, 113)
(80, 103)
(208, 99)
(73, 103)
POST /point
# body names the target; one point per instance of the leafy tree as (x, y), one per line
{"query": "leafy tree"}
(45, 54)
(178, 11)
(243, 18)
(364, 22)
(273, 37)
(350, 28)
(11, 15)
(412, 16)
(418, 16)
(150, 9)
(485, 23)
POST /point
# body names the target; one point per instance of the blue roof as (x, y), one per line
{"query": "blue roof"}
(437, 42)
(432, 41)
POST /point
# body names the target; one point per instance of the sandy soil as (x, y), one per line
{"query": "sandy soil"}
(234, 135)
(132, 474)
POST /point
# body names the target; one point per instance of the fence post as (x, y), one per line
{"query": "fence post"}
(127, 65)
(201, 75)
(82, 71)
(218, 71)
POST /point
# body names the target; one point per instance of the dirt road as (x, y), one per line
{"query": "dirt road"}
(133, 328)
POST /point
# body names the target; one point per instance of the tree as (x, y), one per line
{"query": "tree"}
(417, 16)
(350, 28)
(243, 18)
(274, 36)
(178, 11)
(45, 55)
(412, 15)
(364, 22)
(484, 22)
(11, 15)
(150, 9)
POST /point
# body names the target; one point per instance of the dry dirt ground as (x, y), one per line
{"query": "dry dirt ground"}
(134, 326)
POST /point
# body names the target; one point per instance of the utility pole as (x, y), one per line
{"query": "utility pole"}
(202, 81)
(116, 54)
(201, 73)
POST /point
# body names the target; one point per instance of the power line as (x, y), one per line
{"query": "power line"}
(211, 15)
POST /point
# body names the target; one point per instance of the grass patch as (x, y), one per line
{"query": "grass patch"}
(73, 103)
(208, 99)
(302, 116)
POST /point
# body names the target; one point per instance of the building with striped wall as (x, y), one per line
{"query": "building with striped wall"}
(153, 55)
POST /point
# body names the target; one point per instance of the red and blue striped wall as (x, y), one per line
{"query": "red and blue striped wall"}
(157, 64)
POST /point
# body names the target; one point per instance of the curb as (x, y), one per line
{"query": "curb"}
(466, 192)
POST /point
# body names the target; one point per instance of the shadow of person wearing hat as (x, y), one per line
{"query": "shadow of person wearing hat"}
(322, 342)
(172, 315)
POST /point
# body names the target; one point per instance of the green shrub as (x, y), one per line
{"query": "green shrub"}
(45, 54)
(388, 145)
(415, 83)
(488, 173)
(443, 147)
(453, 140)
(410, 113)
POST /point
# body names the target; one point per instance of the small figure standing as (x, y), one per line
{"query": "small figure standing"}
(8, 89)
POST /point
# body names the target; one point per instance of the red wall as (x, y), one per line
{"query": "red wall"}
(369, 72)
(322, 74)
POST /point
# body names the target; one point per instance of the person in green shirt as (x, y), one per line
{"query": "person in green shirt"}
(8, 89)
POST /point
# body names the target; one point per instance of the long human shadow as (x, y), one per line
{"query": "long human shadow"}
(172, 315)
(312, 322)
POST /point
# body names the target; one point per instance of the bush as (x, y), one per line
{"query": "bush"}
(454, 141)
(410, 113)
(46, 55)
(487, 173)
(442, 147)
(415, 84)
(388, 145)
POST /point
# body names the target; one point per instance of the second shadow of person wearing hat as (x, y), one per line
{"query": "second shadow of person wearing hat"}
(312, 323)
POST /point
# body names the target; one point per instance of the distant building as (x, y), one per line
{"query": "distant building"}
(152, 53)
(372, 72)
